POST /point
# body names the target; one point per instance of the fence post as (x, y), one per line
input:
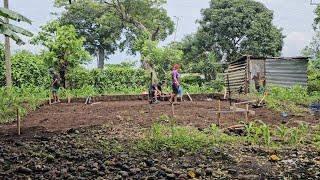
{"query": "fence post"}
(219, 112)
(18, 122)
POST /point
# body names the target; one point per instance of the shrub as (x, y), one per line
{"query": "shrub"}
(27, 69)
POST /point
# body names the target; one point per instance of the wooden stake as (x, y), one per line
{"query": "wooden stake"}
(247, 113)
(69, 99)
(234, 112)
(18, 122)
(50, 100)
(219, 114)
(172, 107)
(189, 96)
(225, 93)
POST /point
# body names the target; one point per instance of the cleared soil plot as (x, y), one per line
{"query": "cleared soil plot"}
(137, 115)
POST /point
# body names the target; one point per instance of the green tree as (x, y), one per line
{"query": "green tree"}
(141, 19)
(196, 59)
(313, 51)
(98, 24)
(64, 47)
(235, 27)
(161, 58)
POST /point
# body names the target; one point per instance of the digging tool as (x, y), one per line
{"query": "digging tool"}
(260, 102)
(189, 97)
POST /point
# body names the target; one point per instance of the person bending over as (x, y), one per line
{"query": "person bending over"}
(156, 91)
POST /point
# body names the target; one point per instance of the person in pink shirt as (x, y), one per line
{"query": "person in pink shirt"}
(175, 83)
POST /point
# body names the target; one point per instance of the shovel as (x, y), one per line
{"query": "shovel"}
(260, 102)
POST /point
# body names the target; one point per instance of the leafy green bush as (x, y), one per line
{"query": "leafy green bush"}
(27, 69)
(24, 99)
(112, 78)
(294, 99)
(192, 79)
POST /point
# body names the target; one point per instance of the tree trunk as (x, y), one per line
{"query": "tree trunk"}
(7, 53)
(149, 68)
(101, 57)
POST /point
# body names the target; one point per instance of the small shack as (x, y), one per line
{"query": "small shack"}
(282, 71)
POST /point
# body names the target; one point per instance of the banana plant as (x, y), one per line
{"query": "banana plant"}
(10, 29)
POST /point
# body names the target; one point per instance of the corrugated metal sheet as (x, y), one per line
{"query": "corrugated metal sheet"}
(287, 72)
(237, 73)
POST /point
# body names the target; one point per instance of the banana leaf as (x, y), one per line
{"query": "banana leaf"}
(4, 12)
(17, 29)
(8, 32)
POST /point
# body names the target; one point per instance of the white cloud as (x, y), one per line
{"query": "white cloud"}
(295, 42)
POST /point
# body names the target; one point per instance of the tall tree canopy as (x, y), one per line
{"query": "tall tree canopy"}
(235, 27)
(98, 24)
(133, 19)
(65, 47)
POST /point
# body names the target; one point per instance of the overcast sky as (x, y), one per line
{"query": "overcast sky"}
(294, 16)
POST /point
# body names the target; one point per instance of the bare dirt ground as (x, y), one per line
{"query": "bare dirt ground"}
(139, 114)
(63, 141)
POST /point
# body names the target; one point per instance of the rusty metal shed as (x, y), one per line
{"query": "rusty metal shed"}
(282, 71)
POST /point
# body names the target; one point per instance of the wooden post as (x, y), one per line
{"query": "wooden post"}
(247, 113)
(69, 99)
(18, 122)
(234, 112)
(50, 100)
(172, 107)
(228, 81)
(219, 114)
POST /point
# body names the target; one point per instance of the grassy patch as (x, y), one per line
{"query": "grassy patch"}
(174, 138)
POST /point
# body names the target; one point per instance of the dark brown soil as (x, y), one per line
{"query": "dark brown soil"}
(137, 114)
(58, 142)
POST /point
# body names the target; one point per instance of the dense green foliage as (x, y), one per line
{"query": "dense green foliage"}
(294, 99)
(111, 78)
(174, 138)
(235, 27)
(103, 24)
(313, 51)
(63, 44)
(27, 69)
(99, 25)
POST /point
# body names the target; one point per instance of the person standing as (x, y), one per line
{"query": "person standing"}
(175, 83)
(55, 85)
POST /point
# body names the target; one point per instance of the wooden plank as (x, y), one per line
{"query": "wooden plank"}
(236, 69)
(252, 113)
(246, 102)
(236, 65)
(236, 72)
(237, 78)
(237, 81)
(229, 112)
